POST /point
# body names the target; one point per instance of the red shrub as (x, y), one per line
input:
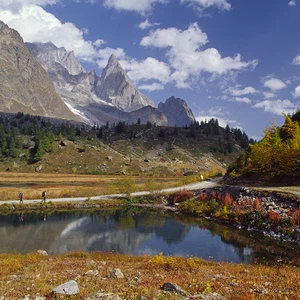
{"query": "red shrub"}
(256, 204)
(215, 195)
(203, 197)
(180, 196)
(274, 217)
(295, 217)
(227, 200)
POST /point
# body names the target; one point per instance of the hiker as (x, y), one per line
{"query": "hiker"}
(44, 196)
(21, 197)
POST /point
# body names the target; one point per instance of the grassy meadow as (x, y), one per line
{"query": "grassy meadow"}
(71, 185)
(35, 275)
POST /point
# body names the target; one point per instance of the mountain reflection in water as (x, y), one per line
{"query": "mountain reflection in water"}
(133, 231)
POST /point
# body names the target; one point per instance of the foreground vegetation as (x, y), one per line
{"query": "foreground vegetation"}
(254, 210)
(34, 275)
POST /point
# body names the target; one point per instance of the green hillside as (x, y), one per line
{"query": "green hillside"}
(30, 143)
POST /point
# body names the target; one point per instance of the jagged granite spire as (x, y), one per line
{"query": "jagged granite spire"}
(177, 112)
(115, 87)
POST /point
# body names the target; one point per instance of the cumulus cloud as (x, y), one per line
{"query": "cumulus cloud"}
(139, 6)
(184, 53)
(146, 24)
(203, 4)
(17, 5)
(276, 107)
(98, 43)
(147, 69)
(296, 93)
(36, 25)
(240, 92)
(296, 60)
(268, 95)
(274, 84)
(151, 87)
(292, 3)
(242, 99)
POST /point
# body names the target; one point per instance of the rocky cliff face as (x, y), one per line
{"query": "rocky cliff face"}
(115, 87)
(48, 55)
(177, 112)
(24, 84)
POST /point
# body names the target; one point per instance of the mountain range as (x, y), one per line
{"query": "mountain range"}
(42, 79)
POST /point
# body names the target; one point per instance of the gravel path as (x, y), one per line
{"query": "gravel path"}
(193, 186)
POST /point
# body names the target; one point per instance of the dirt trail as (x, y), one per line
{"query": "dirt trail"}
(193, 186)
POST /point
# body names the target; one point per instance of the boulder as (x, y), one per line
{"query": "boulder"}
(43, 252)
(67, 288)
(38, 168)
(116, 273)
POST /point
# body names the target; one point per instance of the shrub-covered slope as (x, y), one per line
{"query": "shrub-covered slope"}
(274, 159)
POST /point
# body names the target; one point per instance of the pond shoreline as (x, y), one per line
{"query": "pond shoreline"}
(278, 202)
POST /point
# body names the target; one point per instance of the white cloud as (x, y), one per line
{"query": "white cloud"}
(179, 40)
(147, 69)
(98, 43)
(151, 87)
(146, 24)
(203, 4)
(296, 93)
(274, 84)
(268, 95)
(17, 5)
(242, 99)
(139, 6)
(276, 107)
(36, 25)
(296, 60)
(185, 56)
(246, 91)
(292, 3)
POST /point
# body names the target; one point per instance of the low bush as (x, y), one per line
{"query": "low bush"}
(180, 196)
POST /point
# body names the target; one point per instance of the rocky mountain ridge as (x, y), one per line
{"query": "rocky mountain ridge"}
(24, 84)
(110, 97)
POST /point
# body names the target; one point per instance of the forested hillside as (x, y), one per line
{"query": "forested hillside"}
(27, 142)
(275, 158)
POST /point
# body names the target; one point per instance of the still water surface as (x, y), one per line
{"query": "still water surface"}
(133, 231)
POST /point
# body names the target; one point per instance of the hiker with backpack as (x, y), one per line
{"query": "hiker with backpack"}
(21, 197)
(44, 196)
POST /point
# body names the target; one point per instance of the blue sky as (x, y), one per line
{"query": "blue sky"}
(235, 60)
